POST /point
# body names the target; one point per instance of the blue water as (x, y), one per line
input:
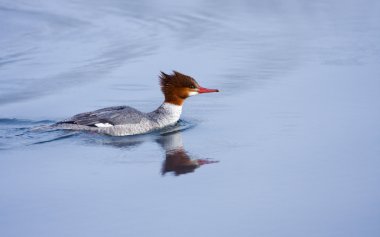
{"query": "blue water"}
(289, 147)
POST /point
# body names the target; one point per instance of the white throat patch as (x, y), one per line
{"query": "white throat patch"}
(191, 93)
(171, 113)
(172, 108)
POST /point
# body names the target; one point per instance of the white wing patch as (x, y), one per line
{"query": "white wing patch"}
(103, 125)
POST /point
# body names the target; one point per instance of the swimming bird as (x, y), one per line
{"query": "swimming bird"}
(125, 120)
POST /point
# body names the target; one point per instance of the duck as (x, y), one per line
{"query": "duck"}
(125, 120)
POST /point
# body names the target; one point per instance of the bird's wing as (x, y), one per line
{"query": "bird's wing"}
(110, 116)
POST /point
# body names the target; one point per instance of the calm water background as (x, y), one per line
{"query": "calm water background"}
(295, 129)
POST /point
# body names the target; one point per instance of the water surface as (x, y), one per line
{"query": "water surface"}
(290, 147)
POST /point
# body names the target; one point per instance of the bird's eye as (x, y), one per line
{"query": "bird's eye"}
(192, 87)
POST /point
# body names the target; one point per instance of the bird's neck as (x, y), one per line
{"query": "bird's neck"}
(173, 98)
(167, 114)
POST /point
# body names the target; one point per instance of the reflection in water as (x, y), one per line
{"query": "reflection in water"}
(177, 159)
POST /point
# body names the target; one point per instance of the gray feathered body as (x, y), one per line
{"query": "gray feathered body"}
(123, 120)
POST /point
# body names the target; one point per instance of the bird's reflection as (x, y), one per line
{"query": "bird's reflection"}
(177, 160)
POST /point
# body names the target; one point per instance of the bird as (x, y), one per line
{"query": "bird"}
(125, 120)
